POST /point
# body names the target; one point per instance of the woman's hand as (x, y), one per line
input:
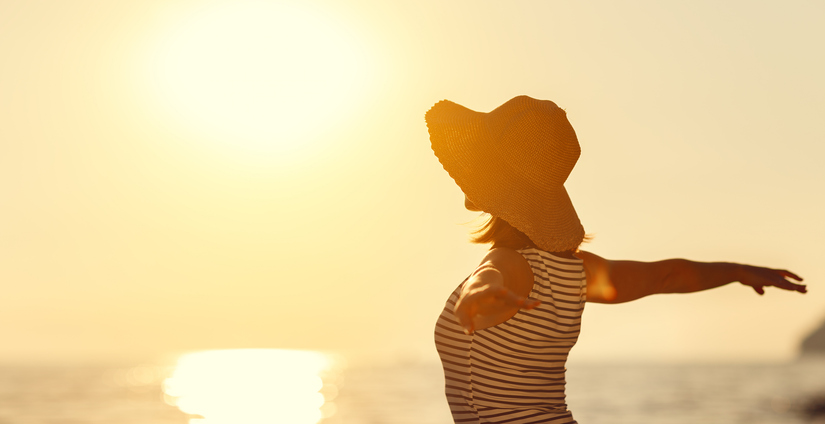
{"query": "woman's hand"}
(758, 278)
(485, 301)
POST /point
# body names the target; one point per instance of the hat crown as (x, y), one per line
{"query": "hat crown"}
(534, 139)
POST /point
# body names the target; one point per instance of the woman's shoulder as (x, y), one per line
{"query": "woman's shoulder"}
(514, 267)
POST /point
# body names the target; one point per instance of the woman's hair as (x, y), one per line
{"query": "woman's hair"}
(500, 233)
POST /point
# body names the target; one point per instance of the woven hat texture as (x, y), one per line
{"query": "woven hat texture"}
(512, 163)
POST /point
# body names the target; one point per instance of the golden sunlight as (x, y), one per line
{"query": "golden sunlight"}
(262, 77)
(254, 386)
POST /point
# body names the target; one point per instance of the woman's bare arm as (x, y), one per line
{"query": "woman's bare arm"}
(622, 281)
(495, 291)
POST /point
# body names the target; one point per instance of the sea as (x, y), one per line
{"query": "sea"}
(257, 386)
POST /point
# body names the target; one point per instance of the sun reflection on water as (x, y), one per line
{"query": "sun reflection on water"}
(254, 386)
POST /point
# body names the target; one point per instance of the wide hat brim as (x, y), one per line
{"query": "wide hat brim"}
(512, 163)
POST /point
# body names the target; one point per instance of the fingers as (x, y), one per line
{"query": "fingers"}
(531, 304)
(487, 301)
(785, 284)
(788, 274)
(801, 288)
(512, 299)
(778, 278)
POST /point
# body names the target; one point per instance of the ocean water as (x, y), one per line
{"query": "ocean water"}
(243, 391)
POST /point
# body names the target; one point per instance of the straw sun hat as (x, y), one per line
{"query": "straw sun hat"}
(512, 163)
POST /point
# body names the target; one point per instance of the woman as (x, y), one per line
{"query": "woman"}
(506, 331)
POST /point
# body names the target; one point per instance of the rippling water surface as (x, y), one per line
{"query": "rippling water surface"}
(300, 387)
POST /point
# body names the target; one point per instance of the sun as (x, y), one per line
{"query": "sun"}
(258, 77)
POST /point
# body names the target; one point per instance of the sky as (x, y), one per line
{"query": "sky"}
(184, 175)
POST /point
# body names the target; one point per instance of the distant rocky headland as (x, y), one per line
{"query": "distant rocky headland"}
(814, 344)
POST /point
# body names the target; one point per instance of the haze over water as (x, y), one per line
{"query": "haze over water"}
(280, 386)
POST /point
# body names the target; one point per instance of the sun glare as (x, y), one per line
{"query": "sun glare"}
(254, 386)
(262, 77)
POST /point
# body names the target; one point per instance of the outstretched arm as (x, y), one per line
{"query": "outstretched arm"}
(622, 281)
(495, 291)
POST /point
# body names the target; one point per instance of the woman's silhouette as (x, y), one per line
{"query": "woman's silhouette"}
(505, 332)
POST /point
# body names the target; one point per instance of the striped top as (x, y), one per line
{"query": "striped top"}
(514, 372)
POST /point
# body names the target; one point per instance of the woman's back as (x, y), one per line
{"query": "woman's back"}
(514, 372)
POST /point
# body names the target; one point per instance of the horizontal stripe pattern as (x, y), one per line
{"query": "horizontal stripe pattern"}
(514, 372)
